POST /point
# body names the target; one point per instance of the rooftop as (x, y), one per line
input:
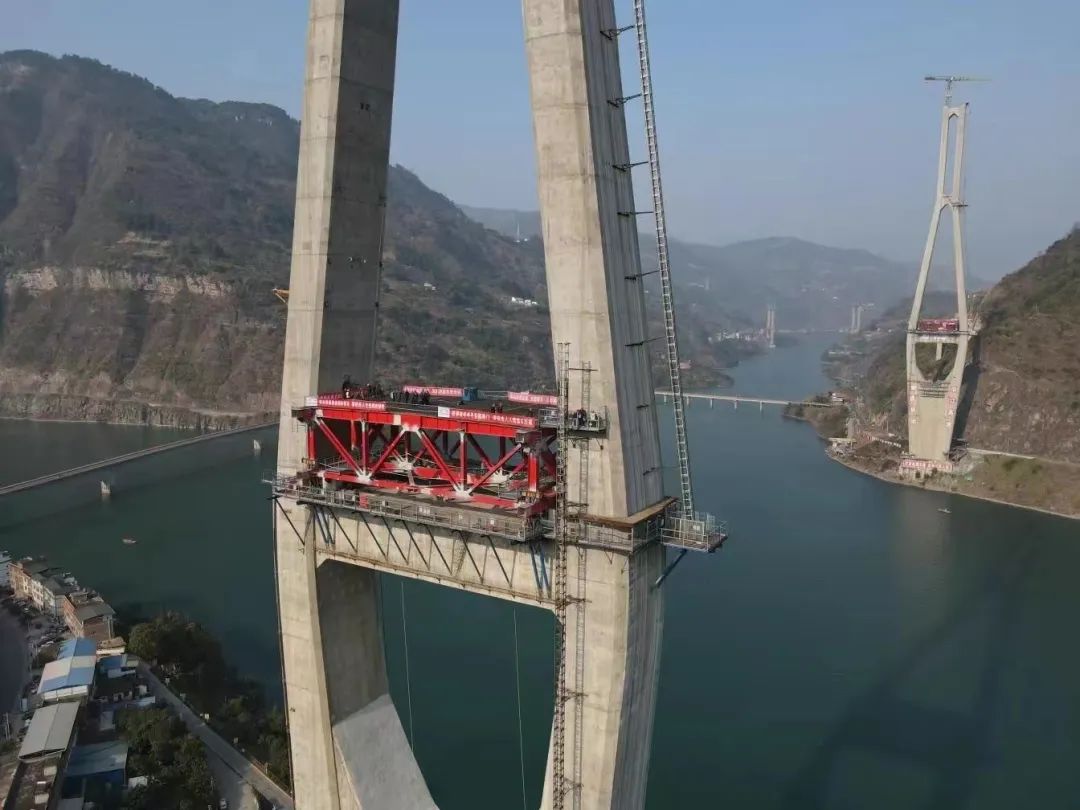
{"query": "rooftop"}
(108, 663)
(34, 782)
(76, 647)
(73, 668)
(57, 588)
(50, 730)
(88, 760)
(93, 610)
(31, 566)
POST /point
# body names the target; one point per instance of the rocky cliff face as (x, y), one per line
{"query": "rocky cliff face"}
(122, 345)
(141, 236)
(1027, 378)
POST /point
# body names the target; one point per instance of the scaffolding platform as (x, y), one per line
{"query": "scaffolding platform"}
(417, 510)
(458, 459)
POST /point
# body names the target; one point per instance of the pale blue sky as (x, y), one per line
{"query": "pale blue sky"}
(781, 117)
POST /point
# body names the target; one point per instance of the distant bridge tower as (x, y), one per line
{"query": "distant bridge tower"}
(937, 347)
(770, 326)
(856, 319)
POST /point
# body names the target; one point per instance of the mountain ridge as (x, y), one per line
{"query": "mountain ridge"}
(141, 234)
(813, 286)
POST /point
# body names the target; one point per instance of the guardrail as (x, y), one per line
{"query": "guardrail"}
(516, 529)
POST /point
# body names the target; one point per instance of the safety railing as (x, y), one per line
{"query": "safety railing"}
(699, 531)
(512, 527)
(576, 422)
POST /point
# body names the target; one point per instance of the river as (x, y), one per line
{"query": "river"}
(851, 646)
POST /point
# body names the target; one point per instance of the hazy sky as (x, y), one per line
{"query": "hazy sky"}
(776, 117)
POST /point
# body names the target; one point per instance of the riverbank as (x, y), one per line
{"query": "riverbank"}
(62, 408)
(1027, 482)
(1064, 480)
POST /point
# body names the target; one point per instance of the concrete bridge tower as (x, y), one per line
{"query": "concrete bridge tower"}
(937, 348)
(597, 572)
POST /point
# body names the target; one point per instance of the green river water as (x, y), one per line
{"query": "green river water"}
(850, 647)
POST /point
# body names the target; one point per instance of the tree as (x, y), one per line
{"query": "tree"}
(175, 762)
(145, 641)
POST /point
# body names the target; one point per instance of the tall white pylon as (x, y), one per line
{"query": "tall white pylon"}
(934, 377)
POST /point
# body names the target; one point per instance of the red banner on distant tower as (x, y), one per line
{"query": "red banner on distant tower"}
(528, 398)
(434, 391)
(494, 418)
(355, 404)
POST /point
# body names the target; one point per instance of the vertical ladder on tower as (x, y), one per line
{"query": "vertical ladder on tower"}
(579, 594)
(560, 786)
(686, 493)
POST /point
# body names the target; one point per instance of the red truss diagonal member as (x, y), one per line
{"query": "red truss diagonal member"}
(390, 447)
(483, 456)
(456, 482)
(483, 479)
(346, 456)
(489, 459)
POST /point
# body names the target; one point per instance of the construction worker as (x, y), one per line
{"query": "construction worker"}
(346, 387)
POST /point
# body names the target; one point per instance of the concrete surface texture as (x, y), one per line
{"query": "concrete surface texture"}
(333, 304)
(595, 291)
(596, 298)
(348, 746)
(932, 407)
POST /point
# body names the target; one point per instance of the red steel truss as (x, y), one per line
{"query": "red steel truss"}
(491, 455)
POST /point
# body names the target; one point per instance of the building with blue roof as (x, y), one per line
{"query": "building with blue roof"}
(71, 675)
(100, 762)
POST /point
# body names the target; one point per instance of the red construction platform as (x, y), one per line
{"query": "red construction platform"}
(496, 453)
(938, 326)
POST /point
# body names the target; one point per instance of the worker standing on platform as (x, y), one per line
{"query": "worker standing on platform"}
(346, 387)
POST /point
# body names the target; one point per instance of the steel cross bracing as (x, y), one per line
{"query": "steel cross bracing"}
(686, 493)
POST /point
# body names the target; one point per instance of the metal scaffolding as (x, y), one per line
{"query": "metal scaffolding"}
(682, 444)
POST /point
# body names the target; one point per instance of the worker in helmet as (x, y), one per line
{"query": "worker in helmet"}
(346, 387)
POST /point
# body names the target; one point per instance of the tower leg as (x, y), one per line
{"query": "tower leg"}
(620, 658)
(349, 751)
(598, 307)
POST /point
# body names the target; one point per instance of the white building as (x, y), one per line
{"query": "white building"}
(5, 570)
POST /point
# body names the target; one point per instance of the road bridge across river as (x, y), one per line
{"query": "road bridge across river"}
(759, 401)
(114, 477)
(116, 461)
